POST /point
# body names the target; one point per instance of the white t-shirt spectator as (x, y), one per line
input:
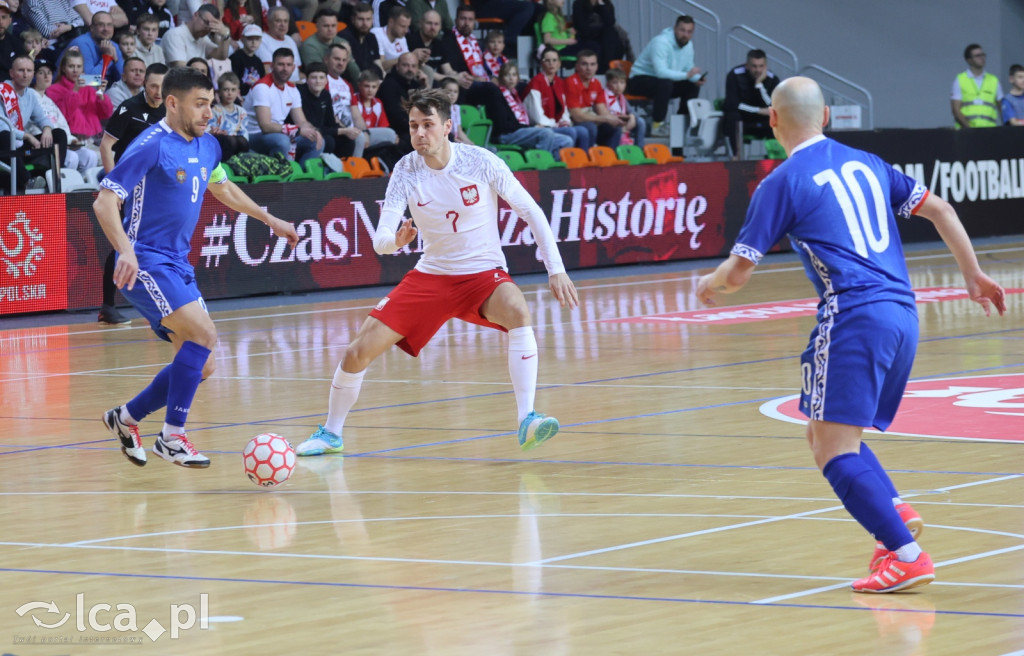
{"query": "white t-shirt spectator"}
(266, 52)
(179, 45)
(280, 100)
(389, 49)
(343, 98)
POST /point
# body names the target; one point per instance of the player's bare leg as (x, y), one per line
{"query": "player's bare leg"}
(837, 452)
(373, 338)
(507, 307)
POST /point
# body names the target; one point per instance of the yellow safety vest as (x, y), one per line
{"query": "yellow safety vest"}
(979, 105)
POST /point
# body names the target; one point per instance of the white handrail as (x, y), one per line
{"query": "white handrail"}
(777, 64)
(868, 102)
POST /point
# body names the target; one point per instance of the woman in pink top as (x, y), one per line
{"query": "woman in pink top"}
(83, 106)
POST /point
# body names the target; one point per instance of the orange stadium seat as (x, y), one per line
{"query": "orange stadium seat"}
(661, 153)
(360, 168)
(605, 156)
(575, 158)
(305, 28)
(626, 66)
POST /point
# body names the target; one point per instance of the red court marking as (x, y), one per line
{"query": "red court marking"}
(962, 408)
(807, 307)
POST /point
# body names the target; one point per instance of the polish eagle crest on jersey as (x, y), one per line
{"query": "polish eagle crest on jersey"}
(470, 195)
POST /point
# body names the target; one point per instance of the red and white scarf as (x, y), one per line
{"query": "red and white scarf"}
(517, 106)
(10, 98)
(493, 63)
(470, 48)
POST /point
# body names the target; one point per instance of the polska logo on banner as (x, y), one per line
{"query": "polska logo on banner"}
(988, 408)
(20, 257)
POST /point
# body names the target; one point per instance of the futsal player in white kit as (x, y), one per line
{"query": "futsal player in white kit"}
(452, 191)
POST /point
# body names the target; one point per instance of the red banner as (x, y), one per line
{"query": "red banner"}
(33, 260)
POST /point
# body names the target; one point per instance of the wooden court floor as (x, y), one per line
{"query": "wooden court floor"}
(676, 513)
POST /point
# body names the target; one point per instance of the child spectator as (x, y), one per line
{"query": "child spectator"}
(36, 50)
(555, 33)
(244, 63)
(451, 85)
(1013, 102)
(228, 121)
(126, 40)
(147, 49)
(238, 14)
(493, 57)
(372, 109)
(615, 89)
(512, 124)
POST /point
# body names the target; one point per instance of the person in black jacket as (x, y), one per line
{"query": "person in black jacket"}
(594, 22)
(404, 77)
(318, 106)
(748, 95)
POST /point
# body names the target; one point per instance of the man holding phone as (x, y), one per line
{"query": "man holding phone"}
(665, 70)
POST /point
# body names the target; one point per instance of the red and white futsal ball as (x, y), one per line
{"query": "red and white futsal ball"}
(269, 459)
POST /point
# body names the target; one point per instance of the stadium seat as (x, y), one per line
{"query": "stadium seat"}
(232, 176)
(475, 124)
(377, 165)
(306, 29)
(359, 168)
(705, 128)
(543, 160)
(70, 180)
(773, 149)
(298, 173)
(515, 161)
(605, 156)
(661, 153)
(575, 158)
(634, 154)
(268, 178)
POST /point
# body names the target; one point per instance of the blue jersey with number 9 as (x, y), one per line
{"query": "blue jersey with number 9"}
(838, 205)
(162, 178)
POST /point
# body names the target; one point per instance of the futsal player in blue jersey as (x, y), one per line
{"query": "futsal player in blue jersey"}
(839, 206)
(162, 176)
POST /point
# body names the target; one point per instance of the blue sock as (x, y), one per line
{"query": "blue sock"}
(185, 374)
(868, 456)
(152, 398)
(867, 499)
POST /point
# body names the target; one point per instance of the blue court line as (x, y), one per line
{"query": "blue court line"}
(556, 595)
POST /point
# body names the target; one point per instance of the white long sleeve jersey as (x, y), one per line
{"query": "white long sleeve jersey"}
(456, 212)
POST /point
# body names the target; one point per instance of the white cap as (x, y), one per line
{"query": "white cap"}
(250, 30)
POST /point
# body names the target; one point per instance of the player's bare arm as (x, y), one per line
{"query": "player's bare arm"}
(982, 289)
(107, 207)
(231, 195)
(730, 276)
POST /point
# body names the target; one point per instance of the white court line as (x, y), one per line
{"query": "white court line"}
(1015, 653)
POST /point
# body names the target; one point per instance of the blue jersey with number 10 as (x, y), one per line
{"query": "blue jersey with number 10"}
(161, 178)
(838, 206)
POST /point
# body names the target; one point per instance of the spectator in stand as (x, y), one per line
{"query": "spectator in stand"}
(318, 107)
(228, 122)
(36, 50)
(200, 65)
(748, 99)
(271, 103)
(594, 22)
(164, 16)
(240, 13)
(494, 57)
(19, 24)
(465, 62)
(11, 45)
(84, 106)
(204, 35)
(403, 78)
(665, 70)
(425, 42)
(111, 7)
(96, 45)
(22, 106)
(245, 63)
(515, 13)
(372, 110)
(56, 20)
(76, 157)
(634, 127)
(976, 94)
(512, 123)
(585, 98)
(556, 33)
(451, 86)
(545, 102)
(350, 137)
(419, 8)
(365, 50)
(391, 40)
(1013, 102)
(276, 37)
(316, 45)
(130, 84)
(147, 31)
(125, 40)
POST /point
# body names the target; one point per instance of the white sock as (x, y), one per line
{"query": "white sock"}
(172, 430)
(127, 418)
(522, 368)
(344, 392)
(908, 553)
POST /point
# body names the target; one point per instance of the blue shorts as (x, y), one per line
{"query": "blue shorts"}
(162, 286)
(857, 364)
